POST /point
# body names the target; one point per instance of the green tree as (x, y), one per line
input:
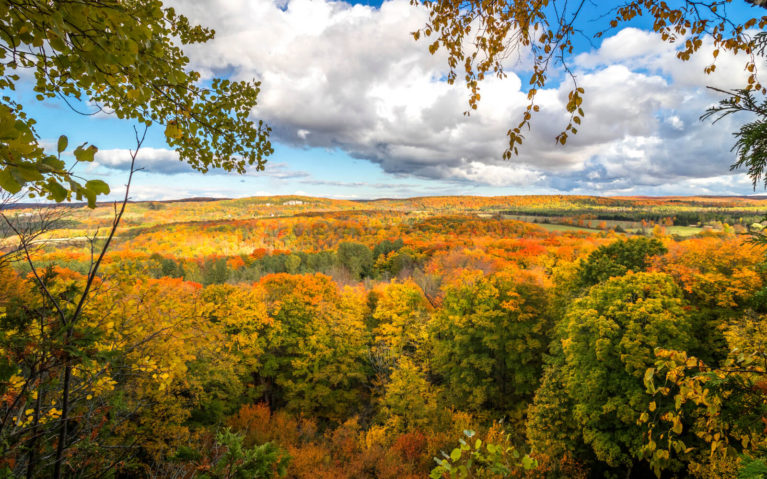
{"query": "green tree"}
(750, 147)
(315, 356)
(125, 57)
(292, 263)
(488, 340)
(618, 258)
(386, 246)
(356, 257)
(474, 458)
(607, 343)
(214, 271)
(551, 428)
(265, 461)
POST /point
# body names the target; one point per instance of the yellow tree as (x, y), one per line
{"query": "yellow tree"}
(717, 421)
(315, 362)
(400, 319)
(127, 352)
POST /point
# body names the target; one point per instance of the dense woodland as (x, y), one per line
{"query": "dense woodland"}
(309, 338)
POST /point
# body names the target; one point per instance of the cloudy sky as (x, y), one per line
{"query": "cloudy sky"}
(361, 110)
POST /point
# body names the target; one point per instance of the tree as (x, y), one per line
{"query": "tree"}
(488, 340)
(618, 258)
(356, 257)
(719, 277)
(400, 319)
(68, 314)
(478, 36)
(123, 355)
(475, 458)
(409, 401)
(751, 138)
(386, 246)
(607, 343)
(717, 419)
(315, 357)
(264, 461)
(124, 57)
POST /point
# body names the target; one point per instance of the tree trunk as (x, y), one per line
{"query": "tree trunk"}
(64, 408)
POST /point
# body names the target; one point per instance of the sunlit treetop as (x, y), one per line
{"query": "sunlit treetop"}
(123, 57)
(479, 36)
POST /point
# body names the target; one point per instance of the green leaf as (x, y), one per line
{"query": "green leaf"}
(529, 463)
(49, 163)
(28, 174)
(8, 182)
(98, 187)
(63, 142)
(57, 192)
(455, 455)
(85, 154)
(91, 197)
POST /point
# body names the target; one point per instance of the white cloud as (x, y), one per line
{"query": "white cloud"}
(151, 160)
(141, 192)
(643, 50)
(497, 175)
(351, 77)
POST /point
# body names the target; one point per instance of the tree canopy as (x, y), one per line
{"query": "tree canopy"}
(618, 258)
(123, 57)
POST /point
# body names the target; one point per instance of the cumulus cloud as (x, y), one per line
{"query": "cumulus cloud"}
(351, 77)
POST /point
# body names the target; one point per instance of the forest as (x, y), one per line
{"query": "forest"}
(429, 337)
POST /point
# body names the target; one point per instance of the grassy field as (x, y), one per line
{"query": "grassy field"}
(554, 227)
(684, 231)
(553, 223)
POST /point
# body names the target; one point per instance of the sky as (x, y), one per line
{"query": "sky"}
(359, 110)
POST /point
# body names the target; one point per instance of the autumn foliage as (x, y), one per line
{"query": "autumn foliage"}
(348, 345)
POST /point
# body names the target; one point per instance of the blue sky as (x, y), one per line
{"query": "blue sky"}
(359, 110)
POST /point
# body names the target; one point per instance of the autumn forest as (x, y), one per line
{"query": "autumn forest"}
(310, 338)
